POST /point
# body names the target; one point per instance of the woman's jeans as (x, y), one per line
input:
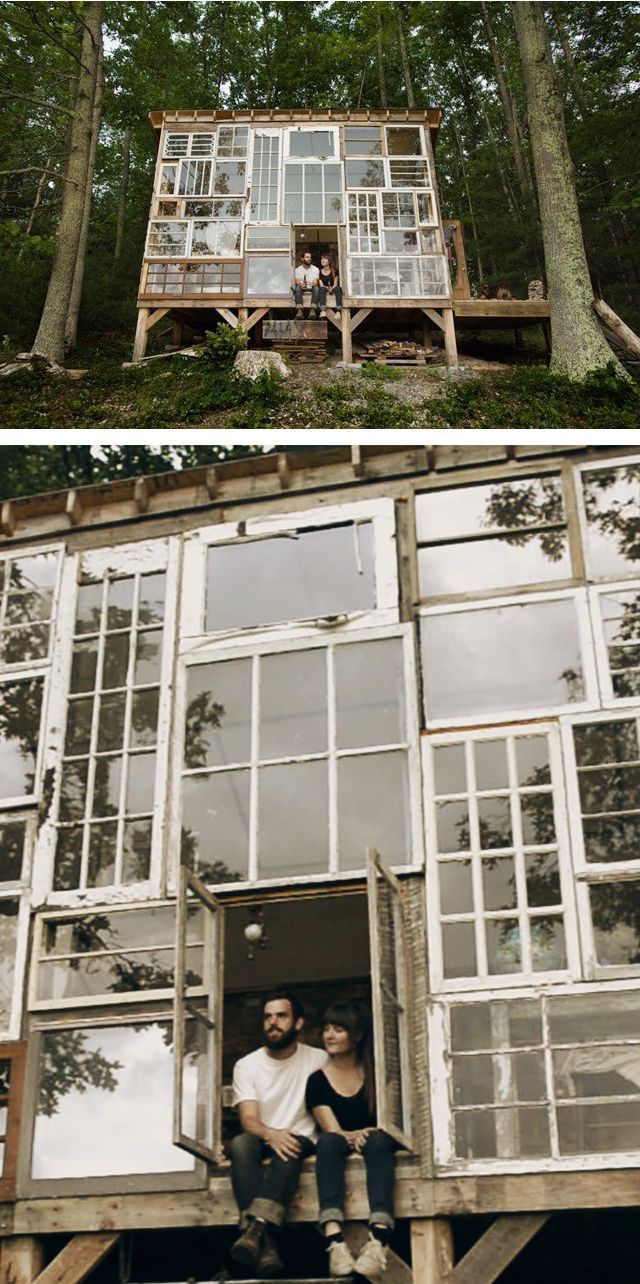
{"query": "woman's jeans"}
(264, 1190)
(378, 1153)
(337, 294)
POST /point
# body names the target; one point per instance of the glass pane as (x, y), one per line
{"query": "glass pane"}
(598, 1129)
(83, 667)
(489, 563)
(370, 693)
(499, 883)
(3, 1122)
(492, 771)
(595, 1018)
(475, 1134)
(111, 722)
(104, 1103)
(473, 1080)
(538, 824)
(89, 608)
(497, 506)
(12, 837)
(543, 879)
(456, 890)
(197, 1077)
(93, 975)
(293, 820)
(495, 1025)
(116, 660)
(612, 503)
(404, 140)
(459, 949)
(615, 912)
(470, 1026)
(548, 950)
(20, 707)
(373, 809)
(610, 789)
(78, 734)
(310, 574)
(532, 760)
(106, 790)
(502, 658)
(120, 603)
(494, 815)
(73, 790)
(310, 142)
(102, 854)
(218, 717)
(504, 952)
(450, 769)
(136, 851)
(68, 858)
(148, 654)
(611, 1071)
(610, 838)
(362, 140)
(368, 173)
(452, 820)
(36, 572)
(24, 644)
(215, 826)
(293, 704)
(141, 782)
(144, 717)
(604, 742)
(152, 598)
(269, 274)
(8, 941)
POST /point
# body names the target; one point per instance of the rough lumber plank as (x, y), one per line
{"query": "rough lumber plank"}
(21, 1260)
(256, 316)
(143, 489)
(77, 1259)
(532, 308)
(284, 473)
(497, 1248)
(156, 316)
(356, 460)
(8, 518)
(436, 317)
(612, 321)
(212, 482)
(230, 317)
(359, 317)
(432, 1250)
(74, 507)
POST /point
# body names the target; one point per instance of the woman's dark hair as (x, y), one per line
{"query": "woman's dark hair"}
(356, 1018)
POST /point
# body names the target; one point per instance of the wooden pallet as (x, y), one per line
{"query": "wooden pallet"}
(381, 359)
(303, 353)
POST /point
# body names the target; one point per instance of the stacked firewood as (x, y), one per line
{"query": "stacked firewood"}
(302, 352)
(390, 350)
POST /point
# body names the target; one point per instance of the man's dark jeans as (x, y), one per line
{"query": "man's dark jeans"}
(264, 1191)
(299, 296)
(377, 1153)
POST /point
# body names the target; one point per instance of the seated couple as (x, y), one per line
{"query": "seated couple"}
(319, 281)
(287, 1090)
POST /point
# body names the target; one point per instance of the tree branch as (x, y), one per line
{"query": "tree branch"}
(29, 169)
(39, 102)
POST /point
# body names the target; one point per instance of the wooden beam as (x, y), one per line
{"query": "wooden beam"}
(335, 318)
(8, 518)
(435, 317)
(212, 482)
(73, 507)
(77, 1259)
(347, 346)
(359, 318)
(155, 316)
(21, 1260)
(356, 461)
(230, 317)
(284, 472)
(254, 317)
(451, 348)
(432, 1250)
(140, 341)
(143, 489)
(498, 1247)
(627, 337)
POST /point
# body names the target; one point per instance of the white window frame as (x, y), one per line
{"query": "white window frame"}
(15, 555)
(322, 193)
(362, 219)
(14, 892)
(318, 128)
(251, 219)
(392, 263)
(152, 555)
(440, 1079)
(151, 253)
(596, 592)
(24, 674)
(498, 716)
(600, 465)
(218, 225)
(203, 654)
(190, 137)
(233, 155)
(380, 512)
(594, 872)
(483, 979)
(409, 124)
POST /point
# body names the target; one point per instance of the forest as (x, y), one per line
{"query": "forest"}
(105, 66)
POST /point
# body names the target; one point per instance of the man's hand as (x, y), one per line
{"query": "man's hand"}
(284, 1144)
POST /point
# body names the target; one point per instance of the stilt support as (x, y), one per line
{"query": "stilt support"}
(177, 332)
(140, 341)
(432, 1251)
(78, 1259)
(546, 330)
(347, 346)
(450, 345)
(517, 330)
(498, 1247)
(21, 1260)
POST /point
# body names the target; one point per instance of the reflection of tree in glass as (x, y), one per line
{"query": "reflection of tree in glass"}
(527, 505)
(20, 705)
(129, 972)
(621, 518)
(211, 871)
(614, 906)
(574, 682)
(622, 653)
(68, 1066)
(202, 712)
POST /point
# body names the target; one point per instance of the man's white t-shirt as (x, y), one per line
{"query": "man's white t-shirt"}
(307, 276)
(279, 1086)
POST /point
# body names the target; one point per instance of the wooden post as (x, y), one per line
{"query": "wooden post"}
(177, 331)
(426, 335)
(450, 338)
(140, 341)
(21, 1260)
(347, 346)
(546, 330)
(517, 330)
(432, 1251)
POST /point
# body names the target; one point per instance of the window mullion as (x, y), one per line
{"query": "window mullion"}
(476, 862)
(519, 859)
(332, 763)
(93, 742)
(256, 675)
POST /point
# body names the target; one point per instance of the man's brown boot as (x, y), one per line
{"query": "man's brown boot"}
(270, 1262)
(247, 1249)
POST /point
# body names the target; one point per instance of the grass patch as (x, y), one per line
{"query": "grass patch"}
(379, 373)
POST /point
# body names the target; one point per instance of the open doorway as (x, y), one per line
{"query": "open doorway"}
(319, 240)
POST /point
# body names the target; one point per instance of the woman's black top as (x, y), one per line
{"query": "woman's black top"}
(327, 278)
(352, 1113)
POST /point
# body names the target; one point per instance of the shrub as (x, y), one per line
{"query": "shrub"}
(380, 373)
(223, 343)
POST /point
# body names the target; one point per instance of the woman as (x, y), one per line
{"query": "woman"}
(341, 1096)
(328, 280)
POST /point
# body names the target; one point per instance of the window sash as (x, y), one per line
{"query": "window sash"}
(15, 1053)
(392, 1000)
(210, 1020)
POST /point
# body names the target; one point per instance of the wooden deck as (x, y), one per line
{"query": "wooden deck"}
(500, 313)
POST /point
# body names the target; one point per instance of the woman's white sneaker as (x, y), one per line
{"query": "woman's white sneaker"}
(341, 1262)
(372, 1261)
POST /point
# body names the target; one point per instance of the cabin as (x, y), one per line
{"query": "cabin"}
(363, 720)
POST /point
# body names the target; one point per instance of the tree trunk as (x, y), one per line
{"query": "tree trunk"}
(509, 108)
(471, 213)
(124, 187)
(404, 56)
(49, 340)
(382, 79)
(38, 197)
(579, 346)
(71, 328)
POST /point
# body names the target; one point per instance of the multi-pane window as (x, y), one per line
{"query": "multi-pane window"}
(233, 140)
(552, 1076)
(265, 178)
(230, 178)
(498, 856)
(618, 617)
(364, 226)
(611, 499)
(220, 237)
(296, 761)
(409, 173)
(362, 140)
(193, 278)
(27, 589)
(312, 193)
(311, 142)
(167, 238)
(394, 277)
(194, 178)
(108, 774)
(176, 145)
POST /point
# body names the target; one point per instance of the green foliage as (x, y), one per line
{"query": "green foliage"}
(263, 397)
(380, 373)
(223, 344)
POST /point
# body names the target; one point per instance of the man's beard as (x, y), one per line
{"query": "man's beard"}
(281, 1039)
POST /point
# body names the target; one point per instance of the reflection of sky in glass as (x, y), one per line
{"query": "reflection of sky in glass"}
(99, 1133)
(511, 657)
(613, 493)
(8, 936)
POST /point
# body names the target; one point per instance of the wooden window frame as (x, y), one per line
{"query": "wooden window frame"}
(15, 1053)
(11, 555)
(211, 1018)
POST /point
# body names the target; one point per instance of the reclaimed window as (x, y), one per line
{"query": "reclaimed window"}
(11, 1089)
(168, 179)
(268, 238)
(233, 140)
(362, 140)
(473, 538)
(498, 850)
(9, 928)
(404, 140)
(269, 274)
(312, 193)
(427, 212)
(193, 278)
(611, 499)
(619, 613)
(167, 238)
(418, 277)
(200, 144)
(552, 1076)
(20, 720)
(364, 173)
(107, 794)
(364, 227)
(408, 173)
(230, 178)
(27, 590)
(523, 655)
(195, 178)
(214, 208)
(398, 210)
(295, 761)
(311, 142)
(265, 178)
(220, 237)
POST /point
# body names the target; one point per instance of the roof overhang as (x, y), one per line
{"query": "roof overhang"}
(430, 116)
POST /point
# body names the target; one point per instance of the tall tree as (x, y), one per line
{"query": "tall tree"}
(579, 346)
(73, 313)
(50, 338)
